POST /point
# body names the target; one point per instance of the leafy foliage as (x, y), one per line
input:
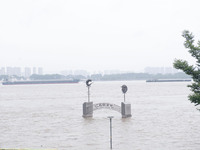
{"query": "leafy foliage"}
(193, 71)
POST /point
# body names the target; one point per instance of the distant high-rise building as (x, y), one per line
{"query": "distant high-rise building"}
(17, 71)
(40, 70)
(9, 71)
(34, 70)
(2, 71)
(27, 72)
(13, 71)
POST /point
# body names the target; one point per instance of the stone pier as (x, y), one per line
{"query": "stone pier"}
(87, 109)
(125, 109)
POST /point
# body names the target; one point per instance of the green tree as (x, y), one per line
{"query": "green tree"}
(192, 70)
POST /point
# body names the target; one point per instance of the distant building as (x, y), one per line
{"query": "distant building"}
(2, 71)
(40, 71)
(34, 70)
(27, 72)
(17, 71)
(9, 71)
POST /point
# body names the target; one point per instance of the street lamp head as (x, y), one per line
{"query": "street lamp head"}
(89, 82)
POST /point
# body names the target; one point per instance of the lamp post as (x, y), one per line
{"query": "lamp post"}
(124, 90)
(88, 83)
(110, 117)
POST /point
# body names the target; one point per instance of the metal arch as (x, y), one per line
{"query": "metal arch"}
(106, 106)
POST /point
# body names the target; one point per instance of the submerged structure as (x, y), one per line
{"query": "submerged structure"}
(89, 107)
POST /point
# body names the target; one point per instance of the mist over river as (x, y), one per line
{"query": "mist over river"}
(50, 116)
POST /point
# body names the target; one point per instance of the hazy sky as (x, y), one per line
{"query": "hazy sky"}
(95, 34)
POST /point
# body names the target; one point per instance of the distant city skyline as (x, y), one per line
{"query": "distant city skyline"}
(28, 71)
(21, 71)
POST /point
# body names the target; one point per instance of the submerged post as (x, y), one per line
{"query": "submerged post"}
(124, 90)
(125, 107)
(110, 131)
(88, 106)
(88, 94)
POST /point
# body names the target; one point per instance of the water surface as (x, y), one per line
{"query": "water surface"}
(50, 116)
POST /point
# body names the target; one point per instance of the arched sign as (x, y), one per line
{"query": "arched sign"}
(89, 107)
(106, 106)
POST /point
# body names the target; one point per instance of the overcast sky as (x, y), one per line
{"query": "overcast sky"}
(95, 34)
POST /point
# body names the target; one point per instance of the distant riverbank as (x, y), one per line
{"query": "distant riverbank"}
(105, 77)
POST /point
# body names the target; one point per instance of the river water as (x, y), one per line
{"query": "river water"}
(50, 116)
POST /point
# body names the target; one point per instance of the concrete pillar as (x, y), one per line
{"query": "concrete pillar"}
(87, 109)
(125, 109)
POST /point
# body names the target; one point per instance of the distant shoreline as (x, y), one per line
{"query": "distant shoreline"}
(105, 77)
